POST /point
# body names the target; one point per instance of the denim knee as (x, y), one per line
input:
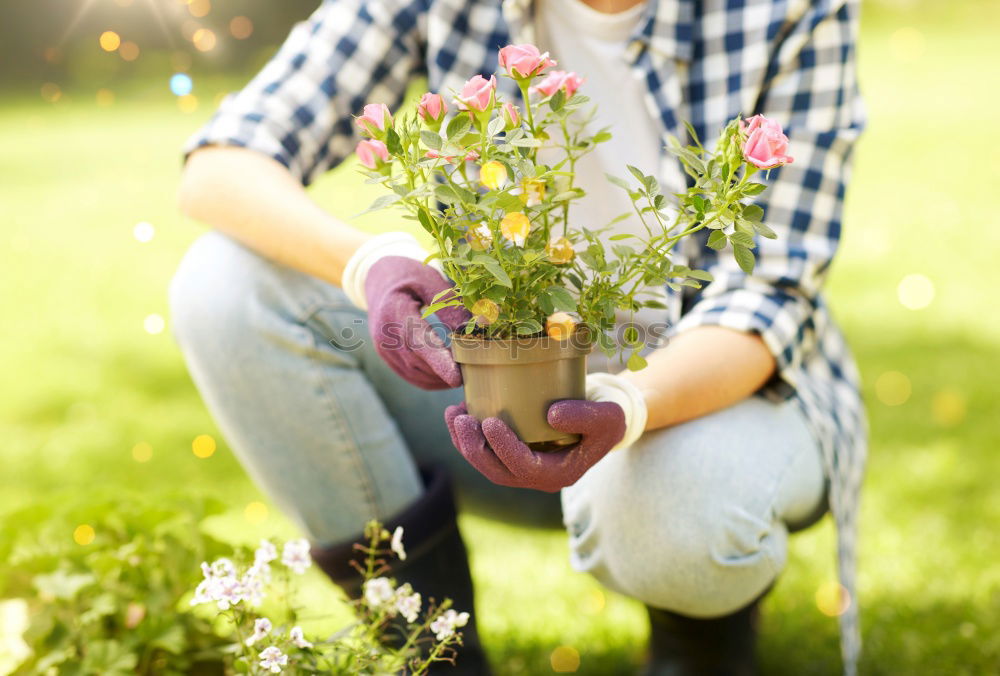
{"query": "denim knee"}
(671, 523)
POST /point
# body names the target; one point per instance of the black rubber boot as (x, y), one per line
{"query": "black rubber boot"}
(436, 564)
(686, 646)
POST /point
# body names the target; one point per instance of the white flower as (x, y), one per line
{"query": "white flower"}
(298, 638)
(408, 603)
(444, 626)
(295, 555)
(228, 591)
(273, 659)
(378, 592)
(396, 544)
(254, 582)
(220, 585)
(261, 628)
(266, 553)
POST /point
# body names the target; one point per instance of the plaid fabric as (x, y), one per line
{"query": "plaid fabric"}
(705, 62)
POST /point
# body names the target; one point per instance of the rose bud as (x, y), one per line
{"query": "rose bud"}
(432, 110)
(560, 325)
(485, 311)
(493, 175)
(374, 119)
(568, 81)
(766, 146)
(372, 154)
(515, 228)
(479, 237)
(532, 191)
(477, 93)
(524, 61)
(560, 251)
(511, 117)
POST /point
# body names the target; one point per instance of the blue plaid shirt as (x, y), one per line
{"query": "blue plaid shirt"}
(704, 62)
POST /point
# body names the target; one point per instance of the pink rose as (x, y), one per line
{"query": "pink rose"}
(374, 119)
(511, 118)
(372, 153)
(756, 122)
(432, 108)
(766, 146)
(523, 61)
(477, 93)
(568, 81)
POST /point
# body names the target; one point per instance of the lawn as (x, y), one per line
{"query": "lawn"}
(95, 394)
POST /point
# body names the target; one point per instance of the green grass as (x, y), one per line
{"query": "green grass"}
(83, 382)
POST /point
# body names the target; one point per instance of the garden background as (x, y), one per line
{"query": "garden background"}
(96, 405)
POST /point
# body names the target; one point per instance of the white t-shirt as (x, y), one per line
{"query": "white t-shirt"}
(593, 44)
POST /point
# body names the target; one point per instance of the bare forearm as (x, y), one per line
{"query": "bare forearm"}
(255, 200)
(702, 370)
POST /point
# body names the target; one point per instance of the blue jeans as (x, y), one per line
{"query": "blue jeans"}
(693, 518)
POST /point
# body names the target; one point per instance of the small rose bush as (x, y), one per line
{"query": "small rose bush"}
(502, 220)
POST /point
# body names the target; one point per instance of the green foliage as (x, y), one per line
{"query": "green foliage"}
(113, 605)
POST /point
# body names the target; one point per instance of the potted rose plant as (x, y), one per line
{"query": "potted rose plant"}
(542, 292)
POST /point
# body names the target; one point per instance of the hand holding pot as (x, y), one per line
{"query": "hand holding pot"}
(388, 278)
(496, 451)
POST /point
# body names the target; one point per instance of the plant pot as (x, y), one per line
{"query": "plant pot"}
(517, 380)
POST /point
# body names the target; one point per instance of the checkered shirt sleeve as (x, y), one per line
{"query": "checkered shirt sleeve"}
(810, 88)
(298, 109)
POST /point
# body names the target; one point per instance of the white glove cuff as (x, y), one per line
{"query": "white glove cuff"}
(609, 387)
(369, 253)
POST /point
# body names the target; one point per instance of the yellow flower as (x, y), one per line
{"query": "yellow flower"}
(479, 237)
(532, 191)
(493, 175)
(560, 325)
(485, 311)
(515, 227)
(560, 251)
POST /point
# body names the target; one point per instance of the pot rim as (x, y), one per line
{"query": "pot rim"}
(468, 349)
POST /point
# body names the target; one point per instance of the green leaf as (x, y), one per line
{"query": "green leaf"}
(717, 240)
(621, 183)
(458, 126)
(764, 231)
(493, 266)
(621, 235)
(425, 221)
(742, 239)
(561, 298)
(753, 213)
(636, 362)
(635, 172)
(557, 101)
(431, 139)
(434, 307)
(631, 335)
(380, 202)
(392, 142)
(494, 127)
(601, 136)
(526, 142)
(528, 326)
(754, 189)
(703, 275)
(744, 258)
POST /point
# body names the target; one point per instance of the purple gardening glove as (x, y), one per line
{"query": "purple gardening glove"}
(397, 290)
(495, 450)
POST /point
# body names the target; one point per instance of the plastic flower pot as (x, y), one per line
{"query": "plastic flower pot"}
(517, 379)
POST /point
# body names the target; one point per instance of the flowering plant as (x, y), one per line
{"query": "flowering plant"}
(501, 219)
(266, 645)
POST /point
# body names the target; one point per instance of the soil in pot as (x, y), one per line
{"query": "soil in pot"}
(517, 379)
